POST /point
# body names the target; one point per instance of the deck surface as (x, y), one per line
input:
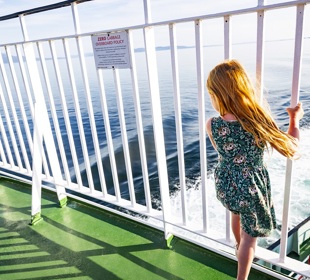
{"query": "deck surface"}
(83, 242)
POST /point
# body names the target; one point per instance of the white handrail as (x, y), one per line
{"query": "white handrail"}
(294, 101)
(163, 216)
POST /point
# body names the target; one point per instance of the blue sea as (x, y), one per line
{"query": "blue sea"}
(277, 90)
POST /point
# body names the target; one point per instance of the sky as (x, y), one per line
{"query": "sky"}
(98, 15)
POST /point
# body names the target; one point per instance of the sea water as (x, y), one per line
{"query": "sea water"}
(277, 82)
(279, 57)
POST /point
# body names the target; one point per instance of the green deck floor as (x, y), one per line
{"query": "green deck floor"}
(83, 242)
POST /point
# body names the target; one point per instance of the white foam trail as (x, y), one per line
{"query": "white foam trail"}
(300, 195)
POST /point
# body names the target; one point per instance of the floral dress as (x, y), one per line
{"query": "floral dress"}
(241, 179)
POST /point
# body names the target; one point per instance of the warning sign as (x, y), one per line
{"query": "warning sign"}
(111, 50)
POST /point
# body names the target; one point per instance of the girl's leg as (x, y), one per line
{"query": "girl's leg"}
(245, 255)
(235, 226)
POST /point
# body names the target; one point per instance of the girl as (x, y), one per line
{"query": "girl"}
(240, 135)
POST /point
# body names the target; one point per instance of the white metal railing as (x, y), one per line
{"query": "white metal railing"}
(40, 77)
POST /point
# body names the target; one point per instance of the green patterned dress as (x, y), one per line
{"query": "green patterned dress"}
(241, 178)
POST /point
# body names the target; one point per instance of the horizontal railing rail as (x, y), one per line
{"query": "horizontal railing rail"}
(58, 127)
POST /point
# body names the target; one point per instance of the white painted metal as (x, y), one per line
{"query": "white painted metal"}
(136, 99)
(30, 106)
(29, 59)
(6, 144)
(78, 116)
(23, 27)
(275, 6)
(148, 28)
(294, 101)
(22, 110)
(3, 161)
(20, 100)
(78, 113)
(202, 123)
(260, 48)
(38, 131)
(89, 107)
(53, 113)
(75, 16)
(91, 118)
(107, 127)
(65, 112)
(147, 11)
(151, 62)
(227, 55)
(25, 79)
(5, 140)
(48, 136)
(7, 115)
(178, 120)
(121, 115)
(227, 37)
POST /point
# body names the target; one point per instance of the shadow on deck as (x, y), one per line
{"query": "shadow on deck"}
(83, 242)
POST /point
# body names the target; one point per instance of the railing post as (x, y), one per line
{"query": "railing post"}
(47, 135)
(227, 55)
(157, 122)
(139, 122)
(178, 119)
(38, 128)
(294, 101)
(260, 48)
(202, 123)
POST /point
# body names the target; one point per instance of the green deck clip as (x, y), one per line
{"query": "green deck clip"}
(169, 241)
(35, 219)
(63, 202)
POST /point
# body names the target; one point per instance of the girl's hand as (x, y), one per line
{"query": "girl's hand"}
(296, 113)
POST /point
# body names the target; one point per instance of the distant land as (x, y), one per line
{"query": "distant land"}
(160, 48)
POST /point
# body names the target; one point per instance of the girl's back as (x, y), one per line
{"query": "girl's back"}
(235, 145)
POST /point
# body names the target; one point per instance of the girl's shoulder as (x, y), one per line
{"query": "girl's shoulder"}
(220, 120)
(212, 121)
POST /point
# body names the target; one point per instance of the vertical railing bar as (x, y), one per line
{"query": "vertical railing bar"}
(178, 119)
(23, 27)
(25, 80)
(5, 139)
(30, 103)
(121, 115)
(260, 49)
(38, 151)
(202, 126)
(77, 29)
(46, 132)
(24, 118)
(151, 62)
(20, 100)
(66, 116)
(2, 153)
(227, 37)
(294, 101)
(30, 100)
(77, 108)
(227, 55)
(53, 113)
(136, 98)
(7, 116)
(79, 118)
(107, 126)
(90, 111)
